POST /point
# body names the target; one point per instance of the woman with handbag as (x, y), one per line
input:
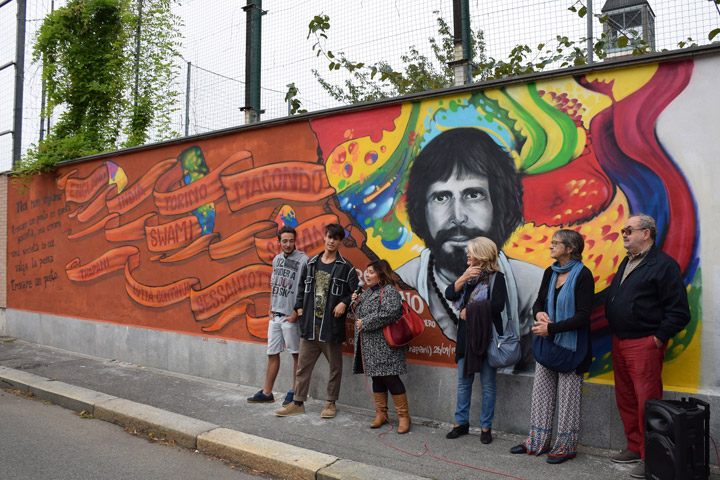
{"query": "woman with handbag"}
(472, 293)
(562, 349)
(379, 305)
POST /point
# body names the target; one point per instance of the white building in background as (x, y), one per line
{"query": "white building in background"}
(629, 18)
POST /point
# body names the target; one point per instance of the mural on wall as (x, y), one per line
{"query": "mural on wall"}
(182, 237)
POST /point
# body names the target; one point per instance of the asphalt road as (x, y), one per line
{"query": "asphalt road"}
(40, 441)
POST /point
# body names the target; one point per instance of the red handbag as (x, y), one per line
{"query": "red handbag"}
(404, 329)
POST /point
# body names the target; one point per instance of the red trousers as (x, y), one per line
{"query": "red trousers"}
(637, 363)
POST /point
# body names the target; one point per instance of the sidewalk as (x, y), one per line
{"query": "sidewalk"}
(215, 418)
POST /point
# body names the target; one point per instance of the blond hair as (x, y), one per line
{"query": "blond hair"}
(485, 251)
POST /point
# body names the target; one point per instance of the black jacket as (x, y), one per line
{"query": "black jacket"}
(584, 291)
(343, 282)
(651, 301)
(498, 297)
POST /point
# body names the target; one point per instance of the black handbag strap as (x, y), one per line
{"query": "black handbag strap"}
(507, 308)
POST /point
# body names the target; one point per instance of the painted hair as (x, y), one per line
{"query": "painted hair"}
(485, 251)
(467, 152)
(571, 239)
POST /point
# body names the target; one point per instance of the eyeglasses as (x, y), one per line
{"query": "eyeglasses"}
(629, 230)
(556, 243)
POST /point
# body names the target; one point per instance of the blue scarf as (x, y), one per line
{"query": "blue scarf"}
(479, 286)
(565, 301)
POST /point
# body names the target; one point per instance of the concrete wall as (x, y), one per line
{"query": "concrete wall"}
(431, 390)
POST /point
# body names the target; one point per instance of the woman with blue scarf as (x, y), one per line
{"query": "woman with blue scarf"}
(481, 286)
(562, 349)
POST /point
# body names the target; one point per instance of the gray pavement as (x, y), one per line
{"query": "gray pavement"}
(46, 442)
(215, 418)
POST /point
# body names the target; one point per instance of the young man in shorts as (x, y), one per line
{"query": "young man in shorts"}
(283, 330)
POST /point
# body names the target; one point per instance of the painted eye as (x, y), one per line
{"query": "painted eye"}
(440, 197)
(475, 195)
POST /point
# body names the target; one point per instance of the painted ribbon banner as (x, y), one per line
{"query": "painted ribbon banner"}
(292, 181)
(80, 190)
(104, 223)
(140, 190)
(160, 295)
(87, 212)
(117, 202)
(256, 326)
(199, 245)
(198, 193)
(172, 235)
(110, 261)
(241, 240)
(242, 283)
(131, 231)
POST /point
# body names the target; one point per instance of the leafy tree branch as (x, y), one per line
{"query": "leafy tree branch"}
(419, 73)
(381, 80)
(88, 53)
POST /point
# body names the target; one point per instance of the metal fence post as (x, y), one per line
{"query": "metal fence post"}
(19, 80)
(252, 60)
(43, 97)
(590, 31)
(42, 112)
(187, 101)
(463, 48)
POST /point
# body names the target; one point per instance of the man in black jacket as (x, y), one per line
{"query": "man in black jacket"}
(327, 283)
(646, 306)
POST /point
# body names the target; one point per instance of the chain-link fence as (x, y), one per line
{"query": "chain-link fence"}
(369, 31)
(7, 78)
(677, 23)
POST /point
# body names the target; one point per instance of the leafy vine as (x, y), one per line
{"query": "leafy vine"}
(87, 50)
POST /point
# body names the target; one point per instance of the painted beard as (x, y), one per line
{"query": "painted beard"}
(453, 258)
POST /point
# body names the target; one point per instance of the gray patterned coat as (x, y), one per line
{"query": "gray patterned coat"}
(380, 358)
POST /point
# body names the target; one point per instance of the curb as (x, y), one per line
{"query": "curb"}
(179, 428)
(59, 393)
(275, 458)
(352, 470)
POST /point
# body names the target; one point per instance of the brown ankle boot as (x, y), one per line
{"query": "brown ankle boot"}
(381, 408)
(401, 407)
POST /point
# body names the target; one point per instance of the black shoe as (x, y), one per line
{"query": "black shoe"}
(551, 459)
(519, 449)
(458, 431)
(486, 437)
(261, 397)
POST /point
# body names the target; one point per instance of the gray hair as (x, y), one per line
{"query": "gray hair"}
(646, 221)
(572, 239)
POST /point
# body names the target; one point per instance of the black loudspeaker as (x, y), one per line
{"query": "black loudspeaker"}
(677, 439)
